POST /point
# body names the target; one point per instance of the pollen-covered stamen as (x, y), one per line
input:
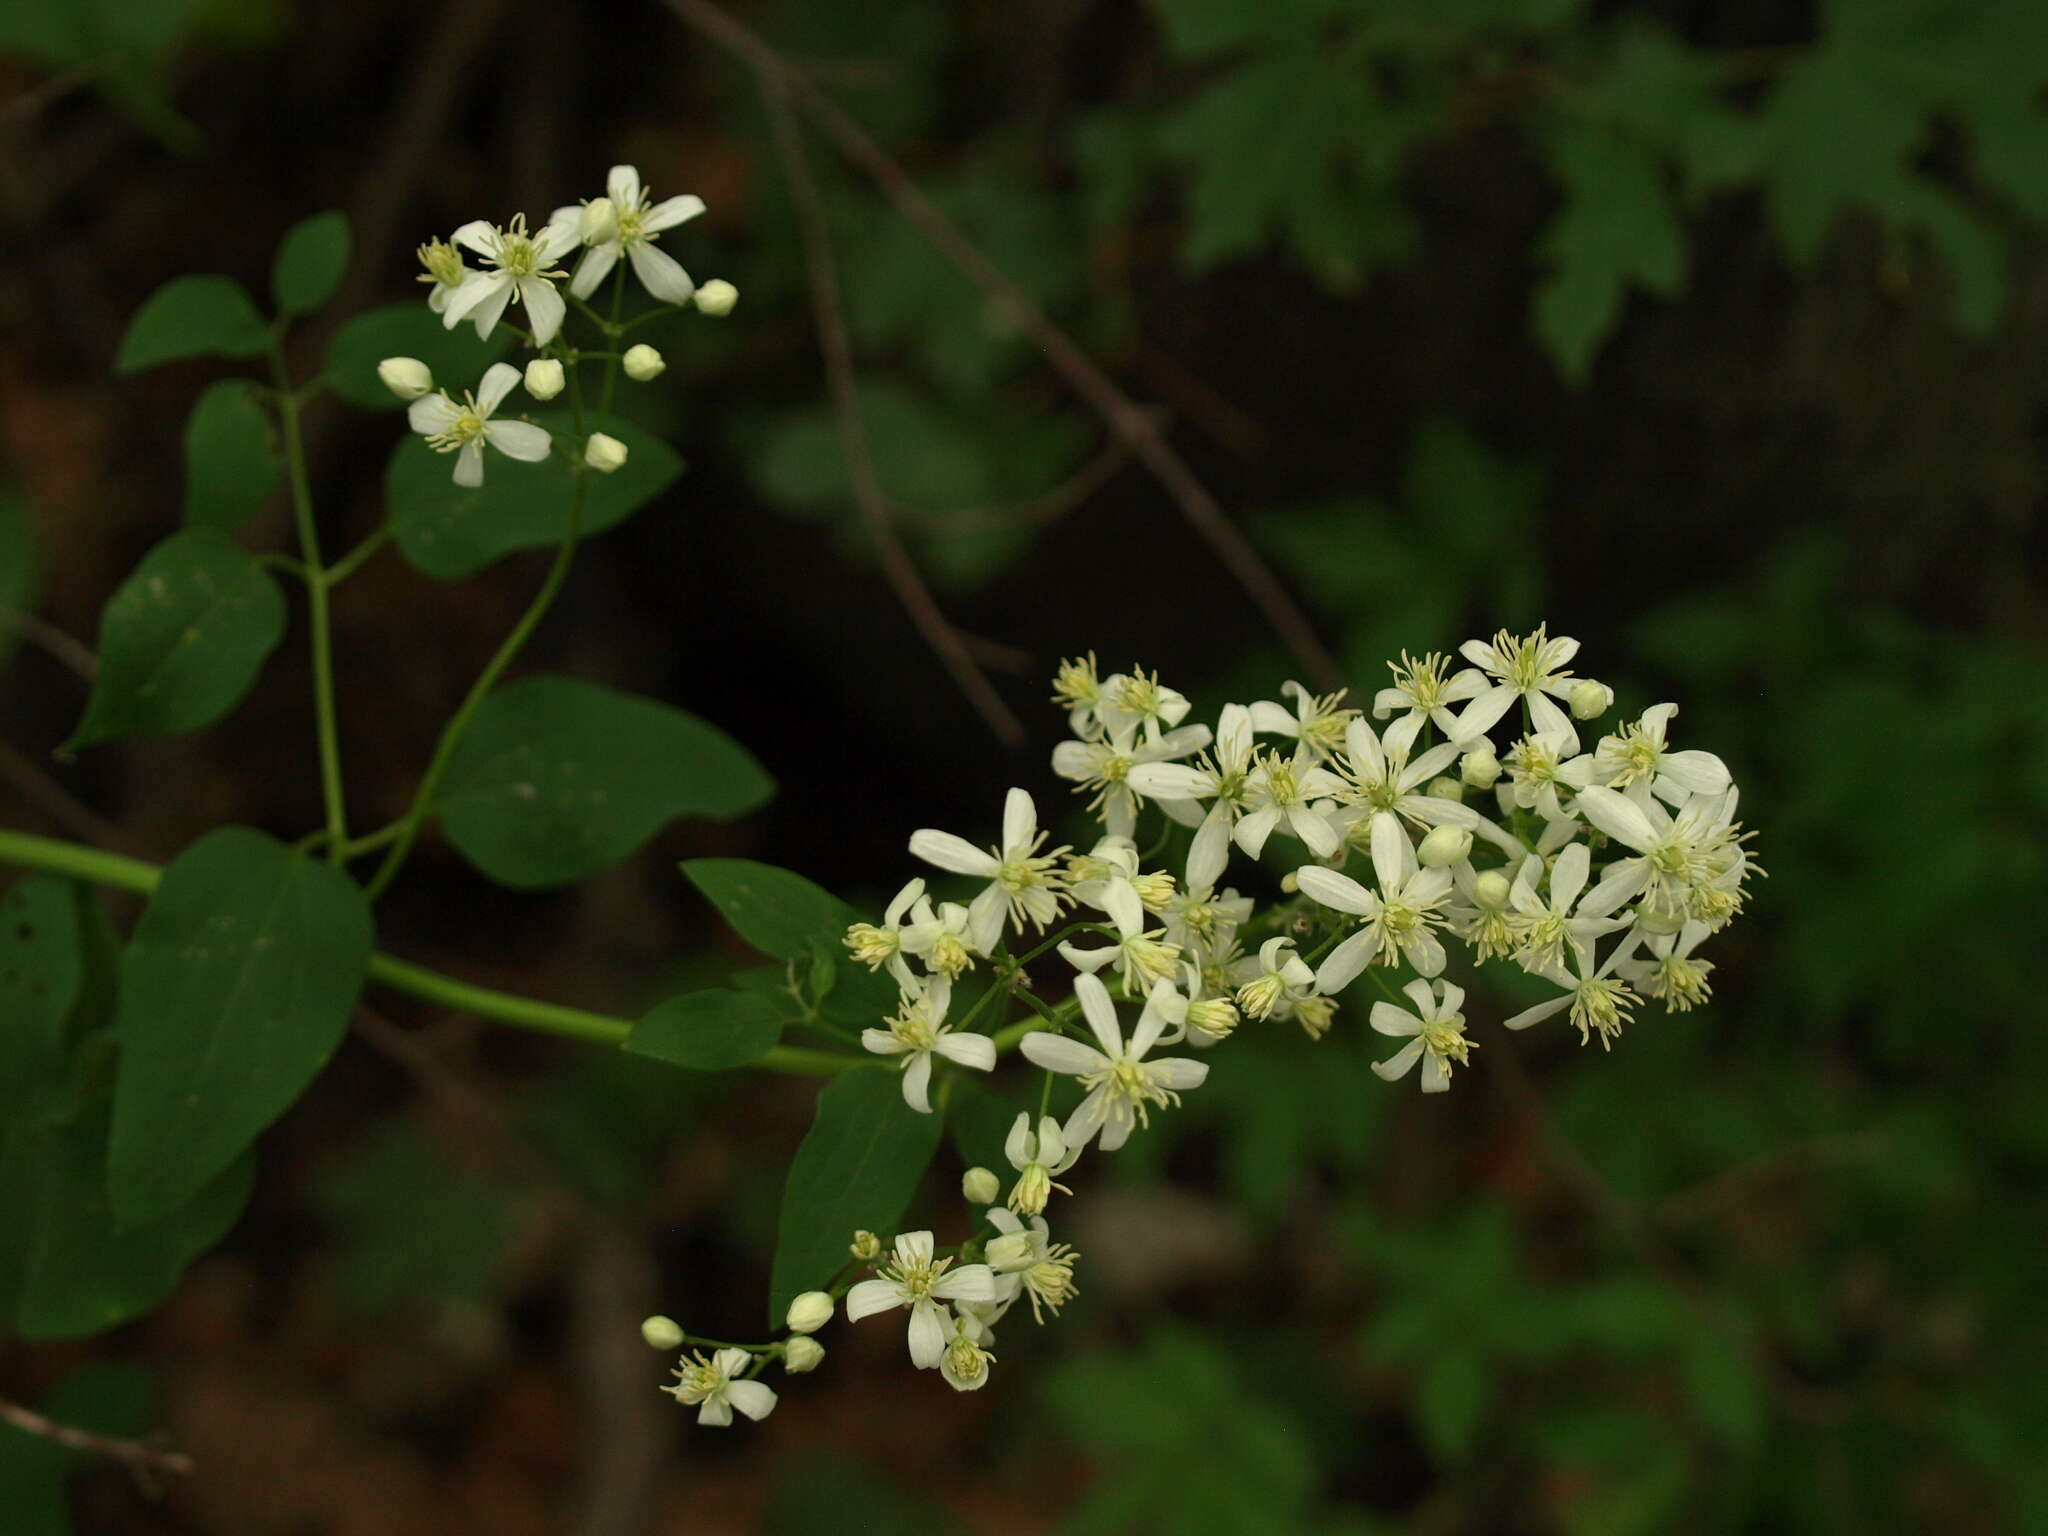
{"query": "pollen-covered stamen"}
(1130, 1082)
(1446, 1040)
(1530, 662)
(1138, 693)
(873, 946)
(1077, 685)
(1323, 719)
(1543, 939)
(1680, 982)
(1050, 1282)
(917, 1279)
(1034, 1188)
(1422, 681)
(443, 263)
(1532, 763)
(1603, 1005)
(914, 1027)
(1634, 754)
(697, 1378)
(469, 424)
(966, 1361)
(517, 256)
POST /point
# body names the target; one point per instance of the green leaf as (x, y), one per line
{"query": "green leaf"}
(192, 317)
(456, 358)
(41, 975)
(235, 990)
(450, 533)
(310, 261)
(231, 466)
(556, 779)
(818, 1488)
(857, 1168)
(1617, 227)
(84, 1270)
(710, 1031)
(182, 639)
(779, 913)
(1450, 1399)
(21, 565)
(1724, 1389)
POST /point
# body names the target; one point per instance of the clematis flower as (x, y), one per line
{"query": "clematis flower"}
(1529, 668)
(1039, 1157)
(1437, 1028)
(1283, 793)
(626, 222)
(1399, 916)
(1123, 1087)
(462, 428)
(913, 1278)
(1025, 1257)
(1026, 883)
(713, 1386)
(918, 1032)
(1140, 956)
(521, 266)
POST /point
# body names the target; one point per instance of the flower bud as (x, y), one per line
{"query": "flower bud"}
(979, 1186)
(809, 1312)
(661, 1333)
(1447, 788)
(1590, 700)
(1289, 883)
(801, 1354)
(1491, 890)
(604, 453)
(1011, 1251)
(1210, 1020)
(544, 378)
(642, 363)
(1444, 846)
(600, 224)
(717, 298)
(1480, 768)
(406, 377)
(865, 1245)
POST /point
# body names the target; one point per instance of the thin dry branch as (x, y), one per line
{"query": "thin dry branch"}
(145, 1460)
(74, 654)
(844, 387)
(1124, 416)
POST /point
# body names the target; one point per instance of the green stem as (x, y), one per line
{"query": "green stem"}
(123, 873)
(288, 406)
(611, 362)
(356, 558)
(451, 735)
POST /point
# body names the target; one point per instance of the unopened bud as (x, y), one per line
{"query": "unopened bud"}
(1590, 700)
(865, 1245)
(544, 378)
(717, 297)
(1491, 890)
(809, 1312)
(1447, 788)
(1443, 846)
(1011, 1251)
(801, 1354)
(1480, 768)
(600, 224)
(406, 377)
(604, 453)
(1211, 1020)
(979, 1187)
(1289, 883)
(661, 1333)
(642, 363)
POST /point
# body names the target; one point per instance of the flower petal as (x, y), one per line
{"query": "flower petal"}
(544, 309)
(1397, 1065)
(670, 212)
(661, 274)
(1338, 891)
(591, 270)
(952, 853)
(872, 1296)
(917, 1082)
(756, 1399)
(1057, 1053)
(927, 1335)
(976, 1051)
(519, 440)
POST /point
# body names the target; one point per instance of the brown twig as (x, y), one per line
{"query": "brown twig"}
(844, 386)
(142, 1459)
(1050, 507)
(1124, 416)
(74, 654)
(1731, 1184)
(58, 803)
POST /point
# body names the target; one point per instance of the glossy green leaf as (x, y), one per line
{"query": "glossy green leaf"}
(455, 357)
(85, 1271)
(779, 913)
(231, 465)
(557, 778)
(451, 533)
(310, 262)
(235, 990)
(182, 639)
(41, 973)
(710, 1031)
(192, 317)
(857, 1168)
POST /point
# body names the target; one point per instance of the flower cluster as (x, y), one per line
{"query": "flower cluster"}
(524, 266)
(1480, 806)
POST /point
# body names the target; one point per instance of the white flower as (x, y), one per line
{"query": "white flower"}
(714, 1385)
(1027, 1257)
(634, 224)
(1379, 782)
(1141, 957)
(1546, 931)
(444, 271)
(1138, 700)
(1040, 1158)
(875, 946)
(1536, 766)
(1438, 1029)
(1282, 792)
(1225, 776)
(1202, 1018)
(1673, 976)
(449, 426)
(1529, 668)
(914, 1279)
(1422, 689)
(1482, 916)
(964, 1365)
(1398, 916)
(1599, 1001)
(940, 939)
(1026, 883)
(1123, 773)
(1316, 721)
(521, 266)
(1640, 752)
(1279, 976)
(1077, 688)
(1122, 1086)
(1672, 852)
(917, 1032)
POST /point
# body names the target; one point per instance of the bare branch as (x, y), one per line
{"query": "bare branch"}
(145, 1460)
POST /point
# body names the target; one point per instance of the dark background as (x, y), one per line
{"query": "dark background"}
(1773, 1265)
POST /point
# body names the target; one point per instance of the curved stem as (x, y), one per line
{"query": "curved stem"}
(288, 406)
(123, 873)
(451, 735)
(358, 557)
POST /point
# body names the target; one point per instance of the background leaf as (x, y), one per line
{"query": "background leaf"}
(182, 639)
(235, 989)
(710, 1031)
(557, 778)
(310, 262)
(192, 317)
(456, 358)
(779, 913)
(857, 1168)
(41, 972)
(231, 465)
